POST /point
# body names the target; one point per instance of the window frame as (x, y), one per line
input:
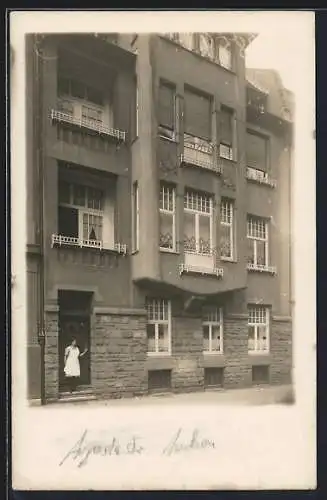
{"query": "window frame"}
(172, 213)
(171, 134)
(255, 240)
(85, 210)
(197, 214)
(217, 314)
(256, 325)
(135, 217)
(231, 226)
(231, 155)
(156, 323)
(266, 138)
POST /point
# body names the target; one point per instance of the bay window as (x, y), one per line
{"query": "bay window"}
(257, 236)
(198, 228)
(167, 210)
(159, 326)
(212, 325)
(227, 229)
(258, 329)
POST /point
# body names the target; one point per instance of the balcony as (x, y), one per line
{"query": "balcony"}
(59, 240)
(200, 262)
(261, 268)
(260, 177)
(85, 123)
(201, 156)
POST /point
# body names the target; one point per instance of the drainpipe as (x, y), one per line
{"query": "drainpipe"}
(40, 197)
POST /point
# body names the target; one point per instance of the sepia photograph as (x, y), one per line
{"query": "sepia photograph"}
(159, 247)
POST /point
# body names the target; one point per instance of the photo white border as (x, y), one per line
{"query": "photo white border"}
(301, 447)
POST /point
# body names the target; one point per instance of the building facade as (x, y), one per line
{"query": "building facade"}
(158, 208)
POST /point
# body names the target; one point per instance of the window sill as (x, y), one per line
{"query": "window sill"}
(165, 250)
(60, 241)
(262, 269)
(226, 259)
(263, 182)
(169, 139)
(213, 353)
(258, 353)
(216, 272)
(159, 354)
(134, 252)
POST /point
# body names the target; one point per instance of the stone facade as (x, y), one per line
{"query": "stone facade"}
(187, 342)
(51, 360)
(281, 352)
(237, 371)
(118, 355)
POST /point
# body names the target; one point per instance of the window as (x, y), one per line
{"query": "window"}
(258, 329)
(257, 236)
(260, 374)
(83, 103)
(159, 380)
(256, 151)
(197, 115)
(224, 49)
(207, 45)
(135, 217)
(159, 326)
(82, 215)
(197, 223)
(187, 40)
(167, 218)
(227, 229)
(212, 325)
(213, 377)
(167, 110)
(226, 132)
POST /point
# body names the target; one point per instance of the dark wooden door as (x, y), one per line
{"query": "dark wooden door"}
(74, 326)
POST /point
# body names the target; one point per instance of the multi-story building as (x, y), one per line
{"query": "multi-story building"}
(158, 208)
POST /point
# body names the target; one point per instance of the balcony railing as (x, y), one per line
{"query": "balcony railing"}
(59, 240)
(261, 268)
(203, 157)
(60, 116)
(191, 269)
(255, 175)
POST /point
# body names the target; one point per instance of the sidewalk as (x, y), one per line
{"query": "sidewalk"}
(263, 395)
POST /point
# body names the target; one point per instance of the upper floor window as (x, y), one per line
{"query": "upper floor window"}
(167, 110)
(159, 326)
(187, 40)
(135, 217)
(224, 52)
(258, 325)
(83, 102)
(257, 235)
(85, 215)
(167, 211)
(212, 325)
(197, 115)
(207, 45)
(227, 229)
(197, 223)
(226, 132)
(257, 151)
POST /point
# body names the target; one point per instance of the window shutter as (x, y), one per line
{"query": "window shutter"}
(197, 116)
(256, 151)
(166, 108)
(226, 126)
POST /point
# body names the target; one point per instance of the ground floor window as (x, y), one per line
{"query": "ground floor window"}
(213, 377)
(159, 326)
(258, 324)
(260, 374)
(159, 380)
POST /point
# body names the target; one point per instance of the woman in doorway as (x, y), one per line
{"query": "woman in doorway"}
(72, 366)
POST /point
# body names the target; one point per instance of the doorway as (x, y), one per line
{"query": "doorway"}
(74, 322)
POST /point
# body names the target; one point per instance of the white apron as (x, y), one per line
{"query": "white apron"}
(72, 366)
